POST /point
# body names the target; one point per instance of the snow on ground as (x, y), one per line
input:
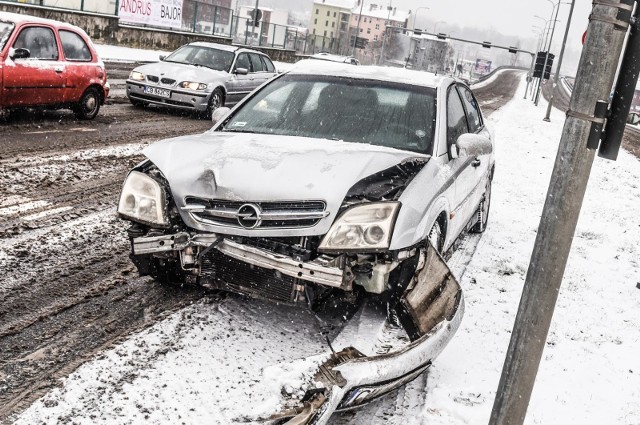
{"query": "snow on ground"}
(590, 371)
(232, 360)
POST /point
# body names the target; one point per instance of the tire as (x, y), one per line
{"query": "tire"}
(436, 237)
(89, 105)
(216, 101)
(482, 213)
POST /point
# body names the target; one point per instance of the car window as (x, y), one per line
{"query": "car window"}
(219, 60)
(473, 112)
(243, 62)
(40, 41)
(268, 65)
(74, 47)
(256, 63)
(456, 119)
(373, 112)
(6, 28)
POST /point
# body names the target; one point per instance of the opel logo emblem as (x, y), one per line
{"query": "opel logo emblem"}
(249, 216)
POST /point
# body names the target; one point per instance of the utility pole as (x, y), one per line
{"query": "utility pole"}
(557, 77)
(546, 57)
(255, 18)
(355, 39)
(596, 72)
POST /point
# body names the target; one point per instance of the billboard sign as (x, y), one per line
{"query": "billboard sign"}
(157, 13)
(482, 66)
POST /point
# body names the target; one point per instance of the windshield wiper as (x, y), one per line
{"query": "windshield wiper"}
(238, 130)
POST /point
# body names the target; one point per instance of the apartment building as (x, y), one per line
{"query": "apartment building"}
(330, 18)
(374, 19)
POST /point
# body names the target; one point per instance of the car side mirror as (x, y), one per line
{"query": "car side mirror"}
(21, 54)
(162, 57)
(472, 145)
(633, 119)
(241, 71)
(219, 114)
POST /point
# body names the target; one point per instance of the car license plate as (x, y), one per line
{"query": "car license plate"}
(157, 92)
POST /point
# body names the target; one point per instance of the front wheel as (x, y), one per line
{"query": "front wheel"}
(89, 105)
(216, 101)
(436, 237)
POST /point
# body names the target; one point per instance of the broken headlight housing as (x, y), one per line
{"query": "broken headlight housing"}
(362, 228)
(143, 200)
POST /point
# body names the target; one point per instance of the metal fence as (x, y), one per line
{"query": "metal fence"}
(201, 17)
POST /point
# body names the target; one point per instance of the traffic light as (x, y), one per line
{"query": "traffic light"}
(513, 50)
(537, 71)
(486, 44)
(441, 36)
(417, 31)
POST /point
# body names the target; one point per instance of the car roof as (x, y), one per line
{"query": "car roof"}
(18, 18)
(380, 73)
(225, 47)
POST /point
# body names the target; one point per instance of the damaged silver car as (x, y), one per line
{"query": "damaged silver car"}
(332, 186)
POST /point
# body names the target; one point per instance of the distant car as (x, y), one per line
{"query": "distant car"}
(50, 64)
(335, 58)
(200, 77)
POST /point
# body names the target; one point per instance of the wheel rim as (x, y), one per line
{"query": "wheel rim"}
(216, 101)
(90, 103)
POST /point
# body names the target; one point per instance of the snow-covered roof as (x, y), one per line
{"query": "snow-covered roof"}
(375, 9)
(380, 73)
(343, 4)
(225, 47)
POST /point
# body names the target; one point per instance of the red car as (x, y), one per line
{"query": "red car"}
(51, 64)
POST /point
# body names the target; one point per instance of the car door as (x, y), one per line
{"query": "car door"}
(240, 85)
(259, 69)
(80, 69)
(474, 179)
(38, 79)
(461, 169)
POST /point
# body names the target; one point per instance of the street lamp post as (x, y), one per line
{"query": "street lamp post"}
(557, 76)
(416, 15)
(556, 8)
(355, 39)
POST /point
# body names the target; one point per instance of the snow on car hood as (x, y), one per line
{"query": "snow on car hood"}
(256, 167)
(181, 72)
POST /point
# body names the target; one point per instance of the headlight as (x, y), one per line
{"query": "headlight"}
(137, 76)
(193, 86)
(143, 200)
(362, 228)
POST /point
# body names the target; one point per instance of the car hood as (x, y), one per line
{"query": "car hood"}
(181, 72)
(257, 168)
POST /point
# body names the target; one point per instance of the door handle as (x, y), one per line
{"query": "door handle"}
(476, 163)
(59, 69)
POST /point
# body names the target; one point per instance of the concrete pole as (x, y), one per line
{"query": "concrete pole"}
(355, 39)
(530, 76)
(546, 57)
(557, 76)
(596, 72)
(253, 23)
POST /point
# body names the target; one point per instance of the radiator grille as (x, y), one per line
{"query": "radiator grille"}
(229, 274)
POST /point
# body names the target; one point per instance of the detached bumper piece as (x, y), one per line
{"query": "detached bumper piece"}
(433, 307)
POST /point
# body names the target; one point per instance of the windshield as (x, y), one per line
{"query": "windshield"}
(399, 116)
(202, 56)
(5, 31)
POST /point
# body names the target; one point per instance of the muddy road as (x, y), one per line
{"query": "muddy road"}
(67, 289)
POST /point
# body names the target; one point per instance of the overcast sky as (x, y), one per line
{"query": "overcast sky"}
(513, 17)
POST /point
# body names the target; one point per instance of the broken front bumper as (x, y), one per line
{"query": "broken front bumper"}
(317, 271)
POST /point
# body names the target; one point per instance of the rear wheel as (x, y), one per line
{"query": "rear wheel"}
(89, 105)
(483, 211)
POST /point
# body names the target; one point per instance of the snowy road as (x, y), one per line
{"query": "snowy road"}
(72, 294)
